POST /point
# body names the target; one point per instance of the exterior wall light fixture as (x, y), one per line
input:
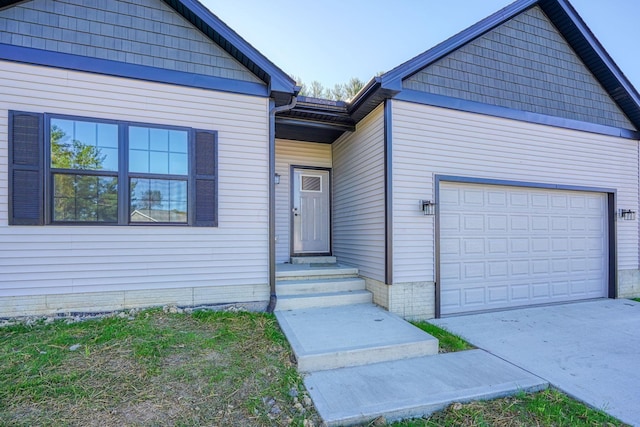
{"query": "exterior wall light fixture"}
(276, 179)
(627, 214)
(427, 207)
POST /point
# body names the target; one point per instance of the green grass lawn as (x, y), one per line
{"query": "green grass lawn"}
(205, 368)
(448, 342)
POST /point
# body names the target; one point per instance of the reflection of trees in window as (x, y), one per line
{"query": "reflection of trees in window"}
(150, 199)
(85, 198)
(78, 195)
(74, 154)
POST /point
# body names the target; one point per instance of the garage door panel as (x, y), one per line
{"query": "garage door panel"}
(540, 290)
(497, 198)
(520, 292)
(474, 246)
(519, 223)
(450, 299)
(497, 223)
(498, 269)
(473, 197)
(540, 201)
(507, 247)
(520, 267)
(474, 297)
(498, 294)
(540, 223)
(450, 223)
(540, 245)
(498, 246)
(450, 271)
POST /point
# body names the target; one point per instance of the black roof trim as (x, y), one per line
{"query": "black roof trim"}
(236, 46)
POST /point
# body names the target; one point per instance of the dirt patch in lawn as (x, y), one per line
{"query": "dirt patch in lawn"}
(205, 368)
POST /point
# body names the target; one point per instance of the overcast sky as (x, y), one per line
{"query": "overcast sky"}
(333, 40)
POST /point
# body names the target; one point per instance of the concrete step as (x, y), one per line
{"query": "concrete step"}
(313, 260)
(329, 299)
(352, 335)
(414, 387)
(305, 287)
(310, 272)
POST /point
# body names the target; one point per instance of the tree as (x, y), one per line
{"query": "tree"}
(352, 87)
(339, 92)
(316, 90)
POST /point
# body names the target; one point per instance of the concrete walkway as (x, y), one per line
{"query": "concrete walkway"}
(589, 350)
(361, 362)
(413, 387)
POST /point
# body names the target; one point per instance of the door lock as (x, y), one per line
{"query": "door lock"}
(295, 211)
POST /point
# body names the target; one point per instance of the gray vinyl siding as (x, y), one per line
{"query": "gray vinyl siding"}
(293, 153)
(524, 64)
(429, 141)
(230, 260)
(358, 197)
(143, 32)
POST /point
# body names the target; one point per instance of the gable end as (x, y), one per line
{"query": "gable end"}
(524, 64)
(142, 33)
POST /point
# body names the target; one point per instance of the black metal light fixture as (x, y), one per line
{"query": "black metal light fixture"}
(427, 207)
(627, 214)
(276, 179)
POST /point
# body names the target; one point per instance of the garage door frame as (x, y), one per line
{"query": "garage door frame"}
(611, 220)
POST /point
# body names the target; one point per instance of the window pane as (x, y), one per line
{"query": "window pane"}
(178, 164)
(178, 141)
(85, 198)
(78, 144)
(139, 161)
(159, 139)
(159, 162)
(138, 138)
(107, 135)
(158, 200)
(166, 151)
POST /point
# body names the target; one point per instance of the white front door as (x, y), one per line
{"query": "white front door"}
(310, 212)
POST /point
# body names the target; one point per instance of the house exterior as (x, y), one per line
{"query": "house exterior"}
(151, 156)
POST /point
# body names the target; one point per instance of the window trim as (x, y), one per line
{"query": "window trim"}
(123, 175)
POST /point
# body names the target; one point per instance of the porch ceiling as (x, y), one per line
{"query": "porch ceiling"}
(314, 120)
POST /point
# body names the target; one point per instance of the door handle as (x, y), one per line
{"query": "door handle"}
(295, 211)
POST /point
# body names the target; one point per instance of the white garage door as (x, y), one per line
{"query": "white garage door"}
(503, 247)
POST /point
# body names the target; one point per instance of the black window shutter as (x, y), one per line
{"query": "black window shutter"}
(205, 179)
(26, 151)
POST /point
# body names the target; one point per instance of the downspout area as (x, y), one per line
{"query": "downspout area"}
(273, 110)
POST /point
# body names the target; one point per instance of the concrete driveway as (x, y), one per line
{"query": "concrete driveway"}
(590, 350)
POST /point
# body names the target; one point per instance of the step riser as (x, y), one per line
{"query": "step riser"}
(319, 300)
(316, 277)
(367, 356)
(317, 273)
(306, 287)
